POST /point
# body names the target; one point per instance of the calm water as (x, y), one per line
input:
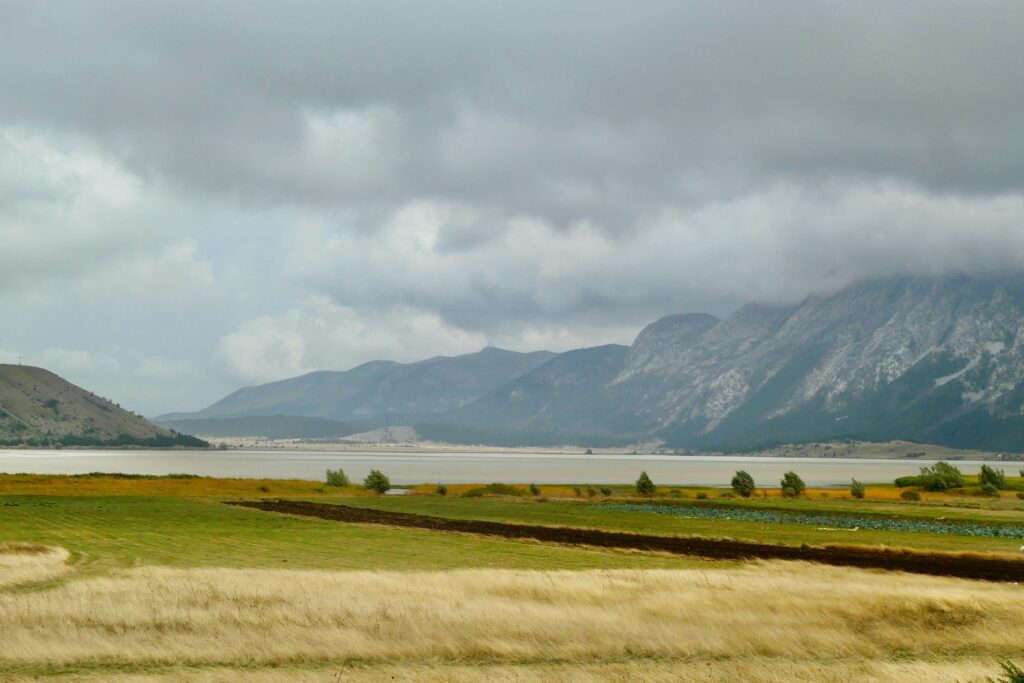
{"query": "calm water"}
(454, 468)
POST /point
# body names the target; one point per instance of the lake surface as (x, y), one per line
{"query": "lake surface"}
(458, 468)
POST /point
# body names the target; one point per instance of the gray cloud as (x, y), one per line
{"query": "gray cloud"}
(540, 172)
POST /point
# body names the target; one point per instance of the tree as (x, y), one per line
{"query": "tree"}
(992, 478)
(377, 481)
(856, 489)
(743, 484)
(792, 485)
(534, 490)
(441, 490)
(337, 478)
(940, 477)
(644, 485)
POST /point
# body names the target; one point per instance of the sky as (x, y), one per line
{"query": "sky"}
(198, 196)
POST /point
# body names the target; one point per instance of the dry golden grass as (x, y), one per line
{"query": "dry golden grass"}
(60, 485)
(766, 622)
(26, 563)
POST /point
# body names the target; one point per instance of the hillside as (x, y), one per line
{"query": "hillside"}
(378, 388)
(38, 408)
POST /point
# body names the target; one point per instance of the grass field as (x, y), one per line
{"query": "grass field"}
(119, 579)
(591, 514)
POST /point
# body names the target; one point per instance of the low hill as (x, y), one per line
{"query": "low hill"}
(434, 385)
(38, 408)
(268, 426)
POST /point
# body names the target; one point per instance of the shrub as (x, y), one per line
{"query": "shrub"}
(497, 489)
(1011, 673)
(903, 482)
(1020, 495)
(792, 485)
(940, 477)
(264, 488)
(577, 490)
(910, 495)
(743, 484)
(337, 478)
(441, 489)
(989, 490)
(702, 495)
(377, 481)
(591, 491)
(726, 494)
(534, 490)
(989, 476)
(605, 491)
(644, 485)
(856, 489)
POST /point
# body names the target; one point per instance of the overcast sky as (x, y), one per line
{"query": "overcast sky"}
(200, 195)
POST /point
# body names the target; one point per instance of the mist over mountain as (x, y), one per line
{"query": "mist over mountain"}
(933, 359)
(378, 388)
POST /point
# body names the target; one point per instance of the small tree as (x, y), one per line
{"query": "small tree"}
(534, 490)
(856, 489)
(792, 485)
(606, 491)
(441, 489)
(644, 485)
(743, 484)
(940, 477)
(337, 478)
(377, 481)
(992, 478)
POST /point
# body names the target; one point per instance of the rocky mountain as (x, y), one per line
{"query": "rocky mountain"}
(939, 360)
(931, 359)
(38, 408)
(378, 388)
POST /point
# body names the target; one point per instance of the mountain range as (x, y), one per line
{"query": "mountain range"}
(931, 359)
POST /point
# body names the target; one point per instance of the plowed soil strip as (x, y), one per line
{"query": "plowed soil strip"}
(921, 562)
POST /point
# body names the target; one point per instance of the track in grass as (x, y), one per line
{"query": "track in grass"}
(939, 564)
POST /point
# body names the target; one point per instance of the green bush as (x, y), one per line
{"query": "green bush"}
(534, 490)
(941, 477)
(910, 495)
(904, 482)
(1011, 673)
(991, 477)
(441, 489)
(743, 483)
(856, 489)
(644, 485)
(495, 489)
(337, 478)
(1020, 495)
(989, 490)
(702, 495)
(591, 491)
(605, 491)
(577, 490)
(377, 481)
(792, 485)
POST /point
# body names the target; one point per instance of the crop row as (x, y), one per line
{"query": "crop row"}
(825, 520)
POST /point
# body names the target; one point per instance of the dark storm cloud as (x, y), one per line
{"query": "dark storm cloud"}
(563, 108)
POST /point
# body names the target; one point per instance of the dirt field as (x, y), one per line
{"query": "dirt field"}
(963, 565)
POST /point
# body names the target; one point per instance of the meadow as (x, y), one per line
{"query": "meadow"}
(111, 578)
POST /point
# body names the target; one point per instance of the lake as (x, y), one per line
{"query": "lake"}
(456, 468)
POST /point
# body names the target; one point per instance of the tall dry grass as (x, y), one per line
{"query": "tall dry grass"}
(733, 622)
(26, 563)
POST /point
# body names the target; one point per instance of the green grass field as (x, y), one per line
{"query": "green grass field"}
(583, 514)
(116, 531)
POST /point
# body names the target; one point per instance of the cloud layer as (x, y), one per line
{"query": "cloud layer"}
(325, 183)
